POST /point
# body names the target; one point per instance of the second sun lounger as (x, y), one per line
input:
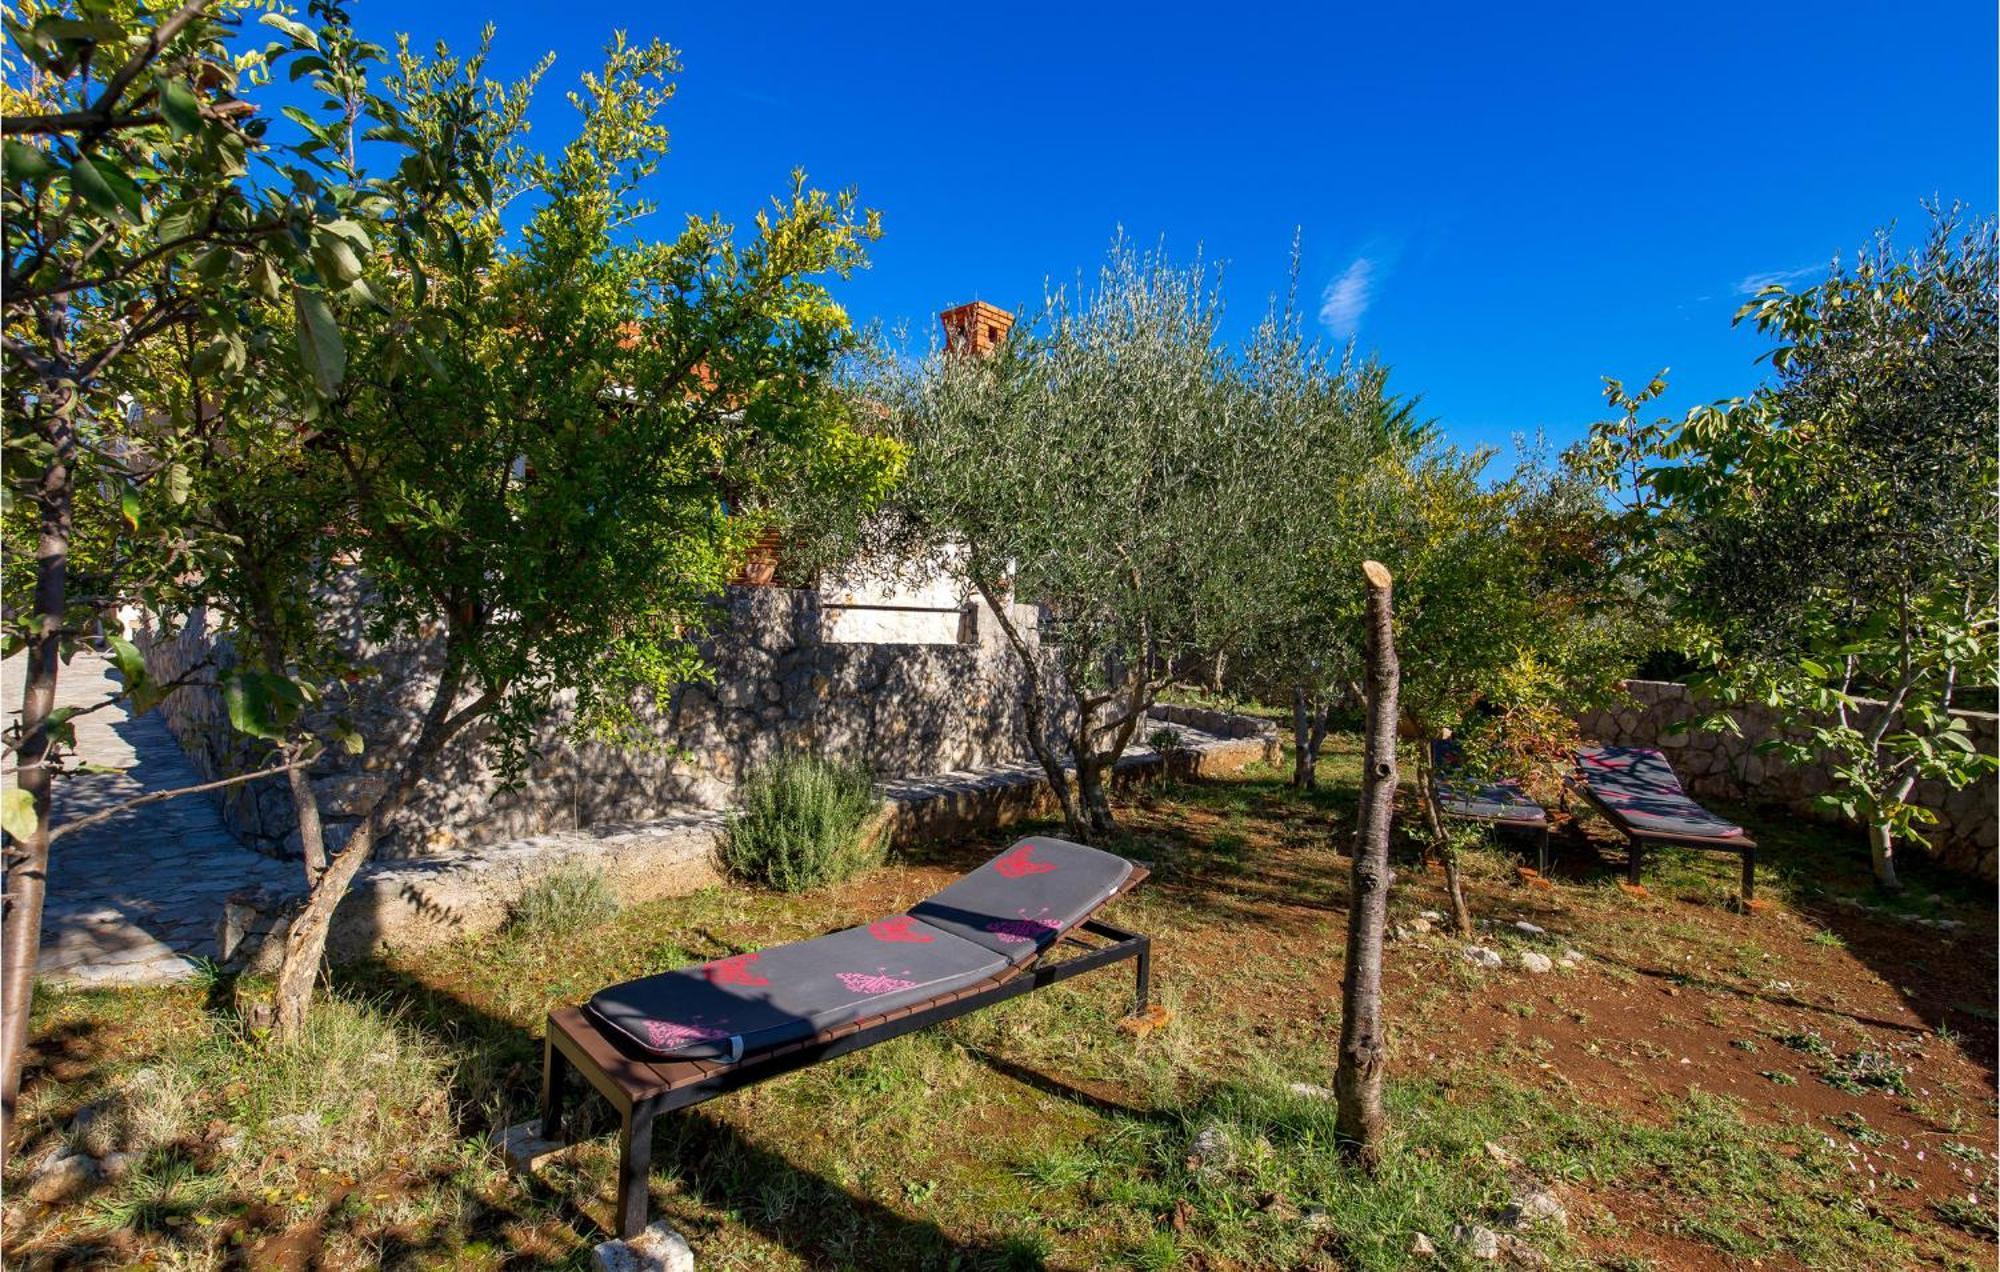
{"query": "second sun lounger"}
(1637, 791)
(1501, 804)
(673, 1040)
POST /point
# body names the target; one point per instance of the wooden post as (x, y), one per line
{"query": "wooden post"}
(1357, 1079)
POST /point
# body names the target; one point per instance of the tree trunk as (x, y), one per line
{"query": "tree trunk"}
(1035, 715)
(1454, 886)
(1357, 1079)
(305, 806)
(1303, 775)
(27, 865)
(1322, 727)
(1881, 847)
(1882, 856)
(1098, 819)
(305, 943)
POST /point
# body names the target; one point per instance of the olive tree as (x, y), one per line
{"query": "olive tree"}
(1076, 468)
(1319, 462)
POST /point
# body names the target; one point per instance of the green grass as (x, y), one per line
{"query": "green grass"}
(568, 900)
(1030, 1134)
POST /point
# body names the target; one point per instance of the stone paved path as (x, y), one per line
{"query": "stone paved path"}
(132, 900)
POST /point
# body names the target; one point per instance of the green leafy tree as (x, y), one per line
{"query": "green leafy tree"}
(140, 193)
(1828, 543)
(1316, 470)
(1076, 468)
(1509, 616)
(555, 442)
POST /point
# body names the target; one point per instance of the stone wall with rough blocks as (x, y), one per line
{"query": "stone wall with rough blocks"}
(780, 682)
(1728, 766)
(418, 903)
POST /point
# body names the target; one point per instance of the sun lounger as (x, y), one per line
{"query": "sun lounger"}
(1501, 804)
(679, 1038)
(1636, 790)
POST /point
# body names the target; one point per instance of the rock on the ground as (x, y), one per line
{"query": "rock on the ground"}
(523, 1146)
(1311, 1090)
(1570, 958)
(1210, 1149)
(1422, 1246)
(62, 1177)
(1420, 924)
(1480, 956)
(658, 1249)
(1476, 1240)
(1536, 1205)
(1530, 929)
(118, 1165)
(1533, 962)
(1431, 916)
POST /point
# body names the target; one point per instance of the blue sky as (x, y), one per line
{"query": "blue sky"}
(1506, 202)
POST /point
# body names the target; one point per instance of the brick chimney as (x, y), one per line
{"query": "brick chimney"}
(975, 327)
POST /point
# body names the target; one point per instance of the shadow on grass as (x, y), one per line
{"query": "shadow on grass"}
(1061, 1090)
(713, 1163)
(1944, 977)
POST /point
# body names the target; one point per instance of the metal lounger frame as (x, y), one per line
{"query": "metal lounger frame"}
(1637, 840)
(642, 1089)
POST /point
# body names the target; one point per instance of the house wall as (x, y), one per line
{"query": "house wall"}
(1727, 766)
(780, 682)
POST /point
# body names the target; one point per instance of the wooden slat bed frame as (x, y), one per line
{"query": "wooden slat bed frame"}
(642, 1088)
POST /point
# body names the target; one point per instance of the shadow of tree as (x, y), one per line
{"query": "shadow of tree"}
(707, 1160)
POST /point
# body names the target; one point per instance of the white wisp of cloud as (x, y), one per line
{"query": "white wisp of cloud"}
(1346, 297)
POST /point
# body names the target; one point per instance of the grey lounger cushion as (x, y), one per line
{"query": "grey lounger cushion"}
(1638, 785)
(1019, 903)
(751, 1002)
(1459, 796)
(996, 917)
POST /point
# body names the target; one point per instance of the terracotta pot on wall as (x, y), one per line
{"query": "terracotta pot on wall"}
(760, 564)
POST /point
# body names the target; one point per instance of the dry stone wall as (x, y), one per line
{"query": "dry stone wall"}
(1728, 766)
(779, 683)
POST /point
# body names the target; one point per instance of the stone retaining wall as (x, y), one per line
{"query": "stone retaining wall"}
(415, 904)
(779, 683)
(1727, 766)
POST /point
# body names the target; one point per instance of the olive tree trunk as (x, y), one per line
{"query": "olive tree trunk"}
(1312, 720)
(1357, 1079)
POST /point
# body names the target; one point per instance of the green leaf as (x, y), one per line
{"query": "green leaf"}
(126, 657)
(28, 163)
(335, 258)
(260, 704)
(17, 814)
(128, 506)
(301, 34)
(118, 200)
(180, 107)
(319, 340)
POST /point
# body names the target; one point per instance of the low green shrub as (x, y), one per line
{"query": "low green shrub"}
(565, 901)
(802, 824)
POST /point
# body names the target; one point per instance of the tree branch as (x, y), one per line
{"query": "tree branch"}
(116, 810)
